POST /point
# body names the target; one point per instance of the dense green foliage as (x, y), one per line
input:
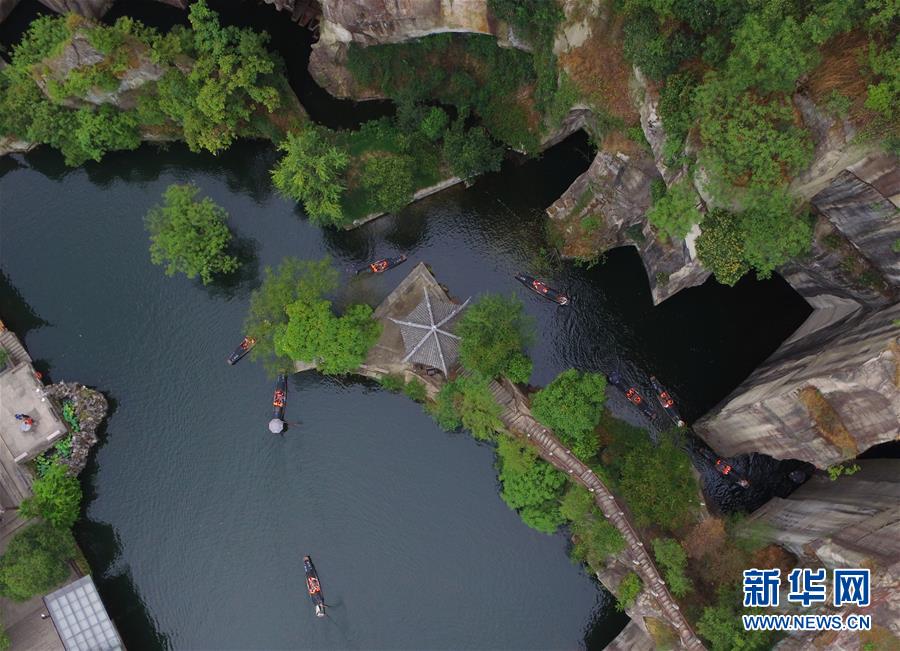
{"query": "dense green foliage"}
(752, 56)
(35, 561)
(676, 211)
(467, 402)
(281, 287)
(470, 72)
(595, 538)
(314, 333)
(389, 179)
(57, 497)
(224, 78)
(720, 247)
(494, 332)
(672, 560)
(530, 486)
(190, 236)
(571, 406)
(470, 152)
(311, 172)
(721, 627)
(628, 591)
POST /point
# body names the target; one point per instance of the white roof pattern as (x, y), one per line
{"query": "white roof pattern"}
(81, 619)
(426, 335)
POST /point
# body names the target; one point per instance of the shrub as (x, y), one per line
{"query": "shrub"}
(470, 152)
(388, 178)
(312, 172)
(190, 236)
(468, 402)
(57, 497)
(628, 591)
(671, 556)
(493, 333)
(35, 561)
(434, 123)
(720, 247)
(415, 390)
(393, 383)
(571, 406)
(772, 230)
(444, 409)
(530, 485)
(676, 211)
(721, 626)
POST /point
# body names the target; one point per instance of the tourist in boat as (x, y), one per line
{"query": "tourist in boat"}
(279, 399)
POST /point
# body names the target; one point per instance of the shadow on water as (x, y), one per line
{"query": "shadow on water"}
(15, 311)
(242, 281)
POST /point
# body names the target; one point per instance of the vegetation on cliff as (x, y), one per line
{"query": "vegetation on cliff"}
(494, 333)
(207, 84)
(727, 73)
(190, 236)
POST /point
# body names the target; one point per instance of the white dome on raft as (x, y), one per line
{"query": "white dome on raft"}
(276, 425)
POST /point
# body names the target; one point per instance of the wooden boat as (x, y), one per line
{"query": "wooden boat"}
(313, 587)
(243, 348)
(279, 399)
(541, 288)
(380, 266)
(665, 399)
(631, 393)
(724, 468)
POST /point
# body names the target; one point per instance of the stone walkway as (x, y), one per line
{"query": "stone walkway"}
(516, 416)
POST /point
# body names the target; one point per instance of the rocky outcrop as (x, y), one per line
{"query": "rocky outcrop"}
(79, 53)
(851, 522)
(87, 8)
(828, 393)
(6, 7)
(605, 207)
(89, 408)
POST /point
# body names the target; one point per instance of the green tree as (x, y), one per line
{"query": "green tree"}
(35, 561)
(720, 246)
(468, 402)
(657, 482)
(571, 406)
(628, 591)
(314, 333)
(720, 625)
(773, 232)
(389, 180)
(595, 539)
(434, 123)
(672, 558)
(57, 497)
(312, 172)
(190, 236)
(280, 287)
(494, 332)
(471, 152)
(531, 486)
(676, 211)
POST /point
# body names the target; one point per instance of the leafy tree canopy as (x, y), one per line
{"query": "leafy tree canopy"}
(676, 211)
(628, 591)
(468, 402)
(281, 287)
(571, 406)
(530, 485)
(720, 625)
(312, 172)
(673, 560)
(190, 236)
(57, 497)
(494, 332)
(35, 561)
(389, 178)
(720, 247)
(471, 152)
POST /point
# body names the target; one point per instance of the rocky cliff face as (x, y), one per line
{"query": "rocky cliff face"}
(851, 522)
(370, 22)
(95, 8)
(827, 394)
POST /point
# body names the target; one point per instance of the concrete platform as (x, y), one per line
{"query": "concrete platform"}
(21, 392)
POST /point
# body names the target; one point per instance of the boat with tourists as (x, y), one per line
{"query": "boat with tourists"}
(313, 587)
(541, 288)
(665, 399)
(631, 393)
(725, 469)
(279, 399)
(380, 266)
(247, 343)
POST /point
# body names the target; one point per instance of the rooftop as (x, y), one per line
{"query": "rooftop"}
(22, 393)
(81, 619)
(426, 331)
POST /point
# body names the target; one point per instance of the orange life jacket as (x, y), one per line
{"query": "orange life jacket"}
(312, 584)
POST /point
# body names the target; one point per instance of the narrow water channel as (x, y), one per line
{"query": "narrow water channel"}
(196, 518)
